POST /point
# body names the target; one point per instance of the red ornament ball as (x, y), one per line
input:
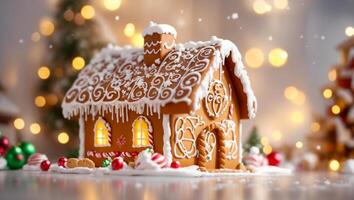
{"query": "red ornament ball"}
(45, 165)
(274, 158)
(4, 143)
(117, 163)
(62, 161)
(175, 164)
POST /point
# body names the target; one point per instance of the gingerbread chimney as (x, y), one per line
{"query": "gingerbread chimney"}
(159, 39)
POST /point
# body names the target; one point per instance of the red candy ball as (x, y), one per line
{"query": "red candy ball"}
(62, 161)
(117, 163)
(45, 165)
(4, 142)
(175, 164)
(274, 158)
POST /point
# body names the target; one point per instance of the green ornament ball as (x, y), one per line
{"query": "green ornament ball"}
(28, 149)
(106, 163)
(15, 158)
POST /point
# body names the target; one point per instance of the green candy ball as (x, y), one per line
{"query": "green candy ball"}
(15, 158)
(28, 149)
(106, 163)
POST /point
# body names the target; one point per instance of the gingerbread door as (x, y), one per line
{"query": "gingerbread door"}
(211, 148)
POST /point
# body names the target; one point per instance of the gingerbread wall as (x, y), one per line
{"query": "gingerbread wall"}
(121, 137)
(191, 125)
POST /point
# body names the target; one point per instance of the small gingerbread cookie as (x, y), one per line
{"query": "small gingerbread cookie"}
(72, 163)
(86, 163)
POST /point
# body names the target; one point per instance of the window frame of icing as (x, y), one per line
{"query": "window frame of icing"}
(146, 138)
(106, 133)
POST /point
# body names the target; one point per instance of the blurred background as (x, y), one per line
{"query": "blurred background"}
(288, 46)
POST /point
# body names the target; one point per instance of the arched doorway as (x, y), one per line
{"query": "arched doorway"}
(211, 148)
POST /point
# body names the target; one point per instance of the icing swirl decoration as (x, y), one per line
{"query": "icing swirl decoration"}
(216, 100)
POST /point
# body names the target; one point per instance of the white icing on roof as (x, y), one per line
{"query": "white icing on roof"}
(117, 79)
(160, 29)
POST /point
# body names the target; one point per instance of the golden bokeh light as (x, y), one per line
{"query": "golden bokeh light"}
(40, 101)
(35, 128)
(87, 12)
(261, 7)
(264, 141)
(277, 57)
(299, 144)
(291, 93)
(267, 149)
(349, 31)
(138, 40)
(315, 126)
(112, 4)
(335, 109)
(334, 165)
(129, 30)
(78, 63)
(19, 123)
(277, 135)
(46, 27)
(332, 75)
(35, 37)
(63, 138)
(281, 4)
(43, 72)
(327, 93)
(297, 117)
(300, 99)
(254, 57)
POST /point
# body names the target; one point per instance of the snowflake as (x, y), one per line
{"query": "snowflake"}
(121, 141)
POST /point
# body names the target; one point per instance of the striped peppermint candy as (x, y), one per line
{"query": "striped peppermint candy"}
(159, 160)
(36, 159)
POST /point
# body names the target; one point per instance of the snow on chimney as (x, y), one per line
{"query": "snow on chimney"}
(159, 39)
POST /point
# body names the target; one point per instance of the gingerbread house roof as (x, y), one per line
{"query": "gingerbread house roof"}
(117, 80)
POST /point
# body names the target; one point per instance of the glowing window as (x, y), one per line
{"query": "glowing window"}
(102, 133)
(142, 131)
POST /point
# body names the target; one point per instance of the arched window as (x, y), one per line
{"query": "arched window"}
(102, 133)
(142, 132)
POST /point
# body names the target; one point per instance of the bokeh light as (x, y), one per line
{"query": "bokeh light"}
(334, 165)
(264, 141)
(43, 72)
(129, 30)
(254, 57)
(112, 4)
(315, 126)
(267, 149)
(19, 123)
(78, 63)
(277, 57)
(35, 37)
(335, 109)
(297, 117)
(291, 93)
(69, 15)
(87, 12)
(261, 7)
(138, 40)
(52, 99)
(46, 27)
(299, 144)
(35, 128)
(281, 4)
(349, 31)
(63, 138)
(327, 93)
(40, 101)
(332, 75)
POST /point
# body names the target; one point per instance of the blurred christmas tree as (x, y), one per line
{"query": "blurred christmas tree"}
(72, 40)
(254, 140)
(332, 136)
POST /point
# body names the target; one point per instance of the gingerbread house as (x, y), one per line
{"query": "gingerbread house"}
(184, 101)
